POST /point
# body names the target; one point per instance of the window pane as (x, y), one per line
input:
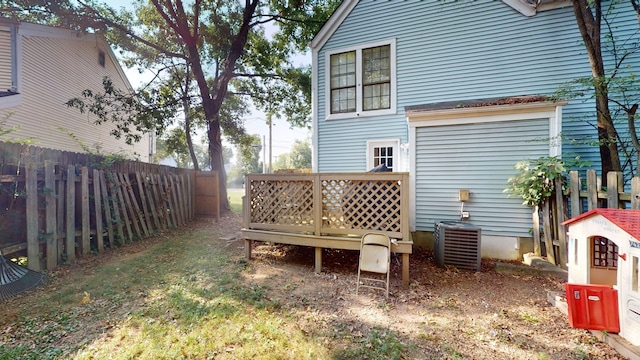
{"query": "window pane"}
(376, 64)
(376, 97)
(343, 100)
(343, 82)
(383, 155)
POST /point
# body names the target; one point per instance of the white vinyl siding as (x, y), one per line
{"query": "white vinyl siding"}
(55, 69)
(479, 157)
(5, 59)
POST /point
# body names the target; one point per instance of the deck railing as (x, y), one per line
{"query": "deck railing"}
(320, 204)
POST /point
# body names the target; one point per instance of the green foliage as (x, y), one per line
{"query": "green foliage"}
(535, 181)
(132, 114)
(298, 158)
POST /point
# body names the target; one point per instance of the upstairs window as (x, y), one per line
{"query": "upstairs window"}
(361, 81)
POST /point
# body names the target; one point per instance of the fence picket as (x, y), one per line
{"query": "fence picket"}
(51, 226)
(97, 202)
(70, 206)
(33, 244)
(85, 247)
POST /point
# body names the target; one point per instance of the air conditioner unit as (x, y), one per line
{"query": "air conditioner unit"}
(457, 244)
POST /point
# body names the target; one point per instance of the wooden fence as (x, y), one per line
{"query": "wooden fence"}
(328, 210)
(584, 194)
(58, 205)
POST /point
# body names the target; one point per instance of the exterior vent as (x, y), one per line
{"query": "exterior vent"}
(457, 244)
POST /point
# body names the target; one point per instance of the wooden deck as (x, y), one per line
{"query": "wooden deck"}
(328, 210)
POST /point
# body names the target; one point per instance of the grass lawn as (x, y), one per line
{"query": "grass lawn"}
(235, 199)
(181, 298)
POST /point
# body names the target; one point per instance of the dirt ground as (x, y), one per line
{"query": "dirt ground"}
(445, 313)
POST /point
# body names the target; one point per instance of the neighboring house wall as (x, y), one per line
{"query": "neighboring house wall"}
(453, 52)
(5, 58)
(54, 66)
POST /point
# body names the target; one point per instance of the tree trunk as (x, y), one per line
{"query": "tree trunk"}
(217, 161)
(535, 217)
(589, 26)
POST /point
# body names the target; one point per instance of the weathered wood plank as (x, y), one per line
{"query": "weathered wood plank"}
(107, 207)
(51, 225)
(70, 242)
(86, 221)
(560, 229)
(60, 211)
(535, 220)
(145, 207)
(176, 199)
(97, 208)
(574, 194)
(546, 228)
(161, 201)
(120, 192)
(149, 190)
(592, 190)
(635, 193)
(137, 214)
(613, 187)
(33, 244)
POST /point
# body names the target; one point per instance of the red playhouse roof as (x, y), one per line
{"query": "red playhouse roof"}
(627, 220)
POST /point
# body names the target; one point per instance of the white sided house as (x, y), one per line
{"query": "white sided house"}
(43, 67)
(455, 93)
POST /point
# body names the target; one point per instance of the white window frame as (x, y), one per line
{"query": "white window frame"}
(392, 143)
(359, 88)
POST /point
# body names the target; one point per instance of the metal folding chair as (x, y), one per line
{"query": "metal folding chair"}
(375, 257)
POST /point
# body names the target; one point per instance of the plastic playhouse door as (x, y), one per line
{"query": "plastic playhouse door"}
(593, 307)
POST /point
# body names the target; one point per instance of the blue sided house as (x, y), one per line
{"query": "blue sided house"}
(455, 93)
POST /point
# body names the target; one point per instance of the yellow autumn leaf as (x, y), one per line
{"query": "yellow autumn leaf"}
(86, 298)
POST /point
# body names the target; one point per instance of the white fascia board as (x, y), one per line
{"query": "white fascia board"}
(412, 178)
(531, 7)
(333, 23)
(314, 110)
(10, 101)
(28, 29)
(419, 118)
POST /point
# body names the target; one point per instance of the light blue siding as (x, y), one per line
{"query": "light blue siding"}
(479, 158)
(464, 51)
(456, 51)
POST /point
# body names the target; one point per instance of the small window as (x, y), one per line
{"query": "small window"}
(383, 152)
(101, 58)
(605, 253)
(634, 273)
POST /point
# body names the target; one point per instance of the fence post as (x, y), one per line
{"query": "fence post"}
(560, 218)
(33, 244)
(547, 232)
(592, 189)
(97, 202)
(576, 206)
(50, 214)
(84, 193)
(613, 186)
(635, 193)
(70, 243)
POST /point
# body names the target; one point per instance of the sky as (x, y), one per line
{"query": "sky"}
(283, 136)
